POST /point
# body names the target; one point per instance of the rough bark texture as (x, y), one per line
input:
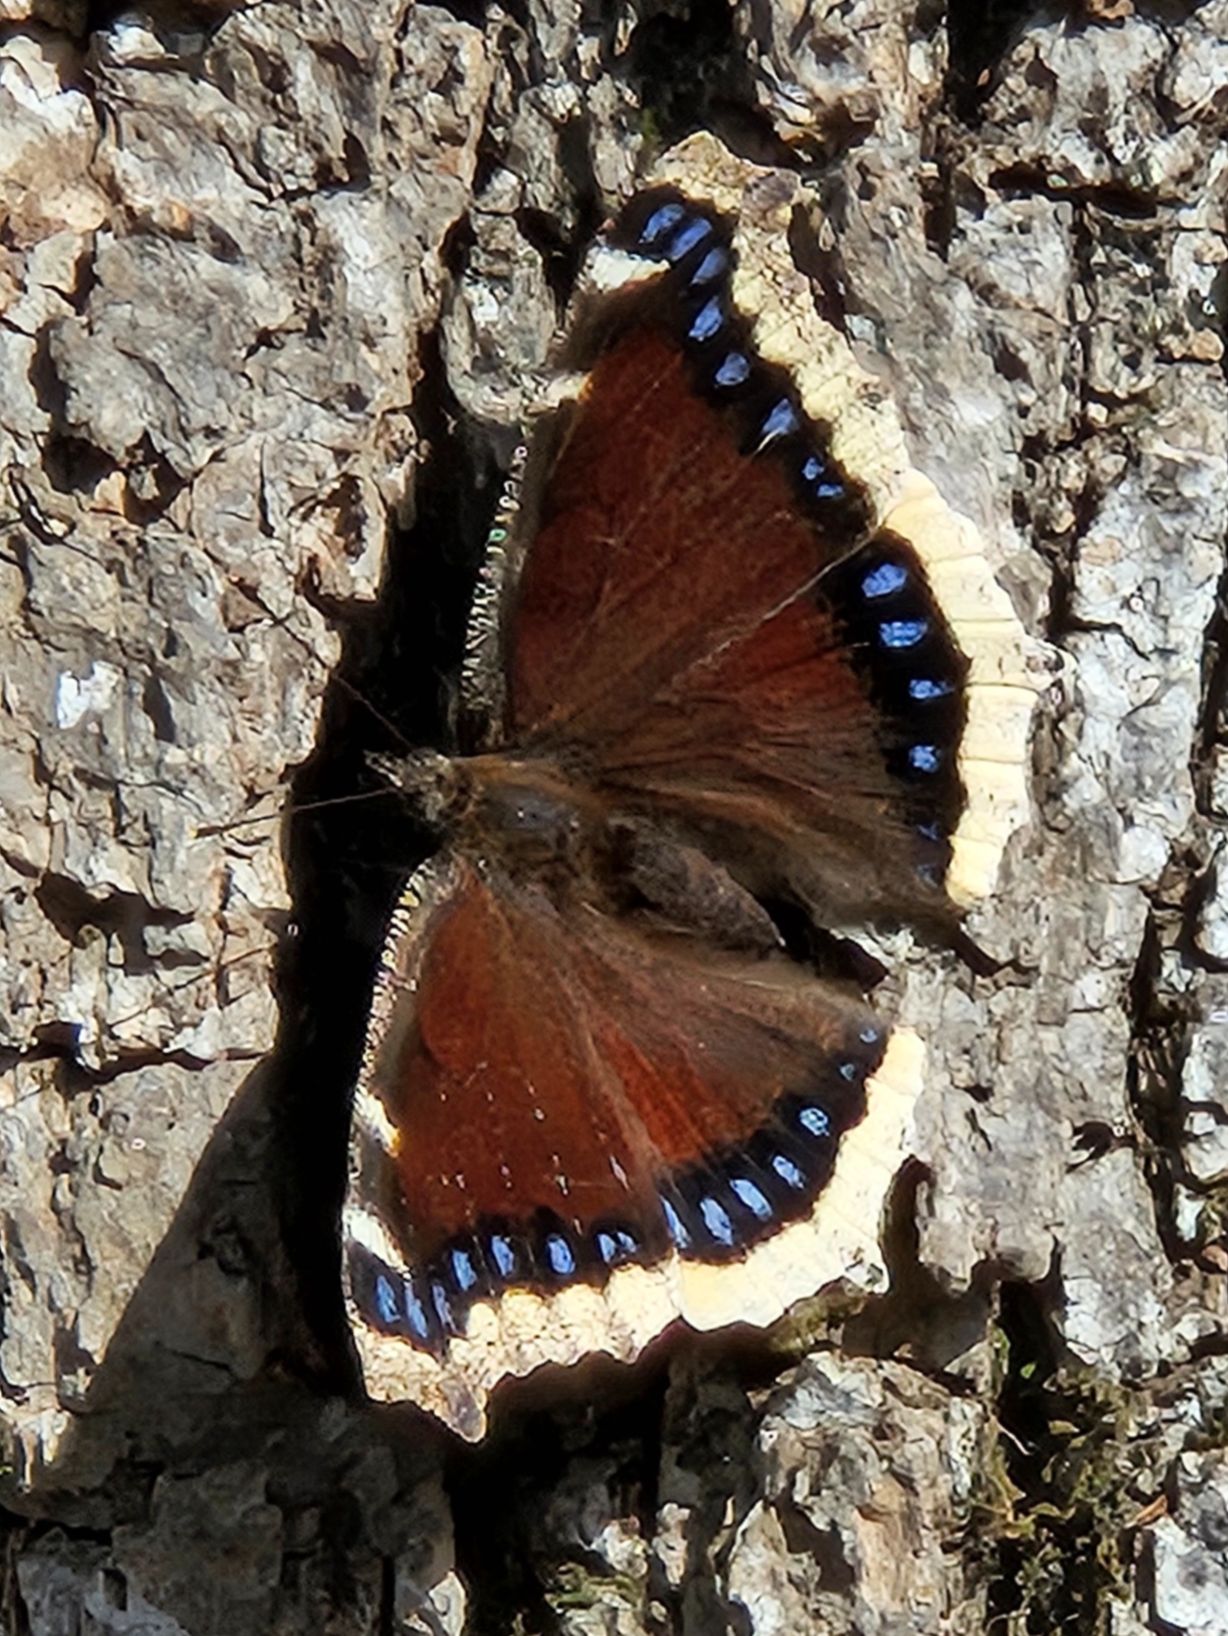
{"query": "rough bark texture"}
(271, 283)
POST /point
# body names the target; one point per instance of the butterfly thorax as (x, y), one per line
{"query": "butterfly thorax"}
(559, 832)
(522, 816)
(531, 821)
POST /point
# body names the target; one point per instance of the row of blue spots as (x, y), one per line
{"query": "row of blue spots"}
(734, 369)
(668, 232)
(425, 1307)
(812, 1122)
(559, 1255)
(899, 634)
(816, 474)
(888, 579)
(397, 1302)
(672, 233)
(712, 1220)
(662, 234)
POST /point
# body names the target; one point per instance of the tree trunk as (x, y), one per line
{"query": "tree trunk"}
(272, 283)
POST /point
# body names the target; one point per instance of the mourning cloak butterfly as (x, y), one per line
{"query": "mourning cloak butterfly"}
(725, 644)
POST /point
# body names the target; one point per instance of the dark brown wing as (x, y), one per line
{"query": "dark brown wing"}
(702, 621)
(555, 1103)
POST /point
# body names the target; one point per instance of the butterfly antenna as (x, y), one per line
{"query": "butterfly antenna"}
(300, 807)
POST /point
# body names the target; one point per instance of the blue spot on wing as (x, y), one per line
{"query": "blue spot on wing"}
(386, 1304)
(780, 421)
(924, 758)
(688, 237)
(710, 268)
(733, 370)
(660, 223)
(463, 1270)
(503, 1254)
(924, 688)
(707, 320)
(716, 1220)
(902, 633)
(416, 1313)
(814, 1120)
(885, 580)
(788, 1172)
(615, 1244)
(752, 1197)
(443, 1307)
(673, 1225)
(559, 1255)
(814, 472)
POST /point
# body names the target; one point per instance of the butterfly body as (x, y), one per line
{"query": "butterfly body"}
(597, 1098)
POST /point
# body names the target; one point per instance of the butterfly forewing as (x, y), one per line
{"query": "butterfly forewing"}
(785, 680)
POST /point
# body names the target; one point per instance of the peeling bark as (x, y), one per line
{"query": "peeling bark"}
(274, 283)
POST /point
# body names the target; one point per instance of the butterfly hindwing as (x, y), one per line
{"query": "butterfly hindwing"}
(555, 1102)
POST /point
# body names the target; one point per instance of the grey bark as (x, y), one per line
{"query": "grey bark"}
(260, 269)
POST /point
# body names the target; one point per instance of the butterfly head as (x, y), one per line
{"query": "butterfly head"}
(436, 787)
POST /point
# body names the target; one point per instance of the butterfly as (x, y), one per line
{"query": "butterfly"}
(726, 649)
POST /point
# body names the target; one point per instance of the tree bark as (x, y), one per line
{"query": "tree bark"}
(275, 283)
